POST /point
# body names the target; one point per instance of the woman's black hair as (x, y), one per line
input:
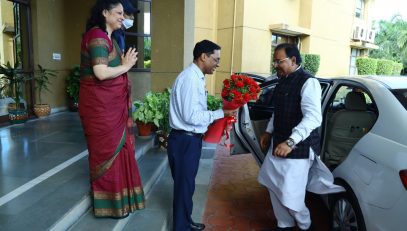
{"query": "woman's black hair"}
(96, 14)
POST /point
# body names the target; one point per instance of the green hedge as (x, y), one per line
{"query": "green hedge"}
(397, 67)
(311, 62)
(366, 66)
(384, 67)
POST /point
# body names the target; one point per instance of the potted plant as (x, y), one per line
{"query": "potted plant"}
(147, 113)
(164, 123)
(42, 82)
(13, 80)
(72, 87)
(214, 103)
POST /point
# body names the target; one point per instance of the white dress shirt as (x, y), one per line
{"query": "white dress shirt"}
(188, 102)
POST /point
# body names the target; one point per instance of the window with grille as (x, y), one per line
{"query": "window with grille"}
(139, 35)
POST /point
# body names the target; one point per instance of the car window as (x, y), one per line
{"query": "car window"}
(338, 102)
(266, 96)
(351, 113)
(401, 95)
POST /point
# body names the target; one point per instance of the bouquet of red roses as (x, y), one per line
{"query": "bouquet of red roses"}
(236, 91)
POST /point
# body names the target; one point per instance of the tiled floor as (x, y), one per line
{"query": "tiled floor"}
(237, 202)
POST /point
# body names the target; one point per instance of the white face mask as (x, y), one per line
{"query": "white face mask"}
(127, 23)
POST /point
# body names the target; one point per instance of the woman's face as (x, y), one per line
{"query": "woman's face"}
(114, 17)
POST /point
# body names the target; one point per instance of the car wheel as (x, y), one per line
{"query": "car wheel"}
(346, 214)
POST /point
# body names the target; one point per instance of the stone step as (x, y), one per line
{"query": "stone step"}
(41, 206)
(158, 213)
(151, 166)
(58, 201)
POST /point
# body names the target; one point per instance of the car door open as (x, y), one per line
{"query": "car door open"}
(252, 121)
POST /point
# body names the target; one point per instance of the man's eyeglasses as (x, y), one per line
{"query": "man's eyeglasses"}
(217, 60)
(279, 61)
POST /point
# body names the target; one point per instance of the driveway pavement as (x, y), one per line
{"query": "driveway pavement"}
(236, 201)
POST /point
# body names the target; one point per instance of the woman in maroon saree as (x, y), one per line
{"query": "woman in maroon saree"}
(104, 108)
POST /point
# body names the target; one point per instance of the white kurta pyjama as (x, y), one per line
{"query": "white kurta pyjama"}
(288, 179)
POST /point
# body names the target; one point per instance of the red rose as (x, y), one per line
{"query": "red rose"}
(224, 93)
(239, 84)
(240, 89)
(237, 94)
(246, 97)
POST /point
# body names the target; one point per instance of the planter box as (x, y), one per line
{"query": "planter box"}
(18, 116)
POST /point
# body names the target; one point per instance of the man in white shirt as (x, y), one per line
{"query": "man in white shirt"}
(189, 119)
(292, 130)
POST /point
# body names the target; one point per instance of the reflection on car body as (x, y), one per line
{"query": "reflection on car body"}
(363, 143)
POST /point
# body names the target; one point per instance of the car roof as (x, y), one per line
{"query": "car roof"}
(392, 82)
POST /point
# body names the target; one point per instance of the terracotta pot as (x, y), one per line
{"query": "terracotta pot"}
(144, 129)
(42, 110)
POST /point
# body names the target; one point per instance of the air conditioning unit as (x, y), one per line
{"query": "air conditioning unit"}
(370, 35)
(359, 32)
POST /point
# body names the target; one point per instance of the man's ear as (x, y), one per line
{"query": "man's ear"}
(294, 60)
(203, 57)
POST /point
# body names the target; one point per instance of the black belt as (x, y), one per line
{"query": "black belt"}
(187, 133)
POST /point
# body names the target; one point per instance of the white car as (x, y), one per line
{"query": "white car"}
(363, 141)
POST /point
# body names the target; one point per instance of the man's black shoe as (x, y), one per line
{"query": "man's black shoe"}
(311, 228)
(197, 226)
(280, 229)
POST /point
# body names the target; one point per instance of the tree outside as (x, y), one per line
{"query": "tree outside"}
(392, 41)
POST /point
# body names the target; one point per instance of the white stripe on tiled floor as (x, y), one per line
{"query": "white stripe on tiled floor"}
(27, 186)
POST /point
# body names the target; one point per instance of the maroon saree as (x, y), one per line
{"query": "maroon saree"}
(104, 108)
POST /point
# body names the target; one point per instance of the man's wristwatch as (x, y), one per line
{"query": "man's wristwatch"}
(290, 142)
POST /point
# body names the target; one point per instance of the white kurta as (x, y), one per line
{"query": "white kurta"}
(290, 178)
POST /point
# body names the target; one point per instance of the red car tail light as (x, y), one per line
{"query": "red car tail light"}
(403, 177)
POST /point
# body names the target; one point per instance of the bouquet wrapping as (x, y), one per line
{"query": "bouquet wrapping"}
(237, 91)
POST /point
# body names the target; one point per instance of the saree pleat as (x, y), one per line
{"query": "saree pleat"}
(104, 108)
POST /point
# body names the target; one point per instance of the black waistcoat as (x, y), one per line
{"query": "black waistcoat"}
(287, 114)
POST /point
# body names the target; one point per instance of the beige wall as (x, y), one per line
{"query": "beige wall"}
(167, 41)
(331, 32)
(240, 27)
(229, 29)
(243, 33)
(245, 37)
(206, 18)
(6, 42)
(57, 28)
(330, 22)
